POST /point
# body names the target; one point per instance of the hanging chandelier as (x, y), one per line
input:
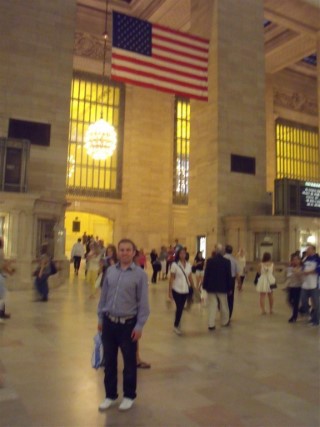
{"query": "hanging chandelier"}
(101, 137)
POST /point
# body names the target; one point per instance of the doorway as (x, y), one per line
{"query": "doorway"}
(78, 223)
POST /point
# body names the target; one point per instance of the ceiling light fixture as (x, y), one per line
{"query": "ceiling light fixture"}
(101, 137)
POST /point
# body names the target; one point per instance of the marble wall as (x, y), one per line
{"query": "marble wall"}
(233, 121)
(35, 80)
(45, 41)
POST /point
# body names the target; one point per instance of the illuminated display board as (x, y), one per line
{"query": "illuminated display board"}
(293, 197)
(310, 197)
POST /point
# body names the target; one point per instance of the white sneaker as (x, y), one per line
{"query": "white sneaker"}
(107, 403)
(177, 331)
(126, 404)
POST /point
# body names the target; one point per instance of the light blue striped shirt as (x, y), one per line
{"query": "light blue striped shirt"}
(124, 294)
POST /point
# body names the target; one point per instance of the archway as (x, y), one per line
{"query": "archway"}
(76, 223)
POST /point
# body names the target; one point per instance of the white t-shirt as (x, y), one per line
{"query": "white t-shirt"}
(310, 281)
(180, 284)
(77, 250)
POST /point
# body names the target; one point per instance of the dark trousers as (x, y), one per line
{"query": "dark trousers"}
(168, 265)
(156, 268)
(294, 300)
(313, 294)
(76, 262)
(42, 287)
(180, 300)
(115, 336)
(231, 297)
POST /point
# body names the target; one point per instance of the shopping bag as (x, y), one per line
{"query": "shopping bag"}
(97, 284)
(97, 354)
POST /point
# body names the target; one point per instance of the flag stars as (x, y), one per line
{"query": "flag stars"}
(132, 34)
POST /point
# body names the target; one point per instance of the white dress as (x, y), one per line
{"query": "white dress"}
(266, 278)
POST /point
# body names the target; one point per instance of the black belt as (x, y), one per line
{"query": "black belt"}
(122, 320)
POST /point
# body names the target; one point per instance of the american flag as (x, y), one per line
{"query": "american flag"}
(157, 57)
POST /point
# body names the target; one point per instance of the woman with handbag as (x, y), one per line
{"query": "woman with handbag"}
(180, 286)
(198, 269)
(266, 282)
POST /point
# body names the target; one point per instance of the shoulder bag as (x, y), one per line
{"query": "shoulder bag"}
(190, 294)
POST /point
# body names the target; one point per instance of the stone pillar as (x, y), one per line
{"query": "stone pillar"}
(270, 135)
(146, 196)
(59, 241)
(13, 232)
(233, 121)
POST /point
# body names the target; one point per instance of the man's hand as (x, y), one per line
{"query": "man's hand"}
(100, 327)
(136, 335)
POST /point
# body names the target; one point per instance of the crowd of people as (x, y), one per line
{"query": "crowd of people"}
(194, 281)
(303, 285)
(123, 307)
(118, 275)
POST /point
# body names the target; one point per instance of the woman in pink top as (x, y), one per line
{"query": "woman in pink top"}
(142, 259)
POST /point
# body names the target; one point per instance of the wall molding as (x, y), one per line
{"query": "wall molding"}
(295, 101)
(89, 46)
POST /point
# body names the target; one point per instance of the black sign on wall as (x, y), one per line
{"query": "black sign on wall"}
(75, 226)
(36, 133)
(293, 197)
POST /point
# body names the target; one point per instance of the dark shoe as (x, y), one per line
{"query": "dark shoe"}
(292, 319)
(226, 324)
(143, 365)
(211, 328)
(4, 315)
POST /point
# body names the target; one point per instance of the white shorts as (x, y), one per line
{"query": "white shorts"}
(163, 266)
(199, 273)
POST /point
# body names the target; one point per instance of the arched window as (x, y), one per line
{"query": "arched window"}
(91, 100)
(181, 151)
(297, 151)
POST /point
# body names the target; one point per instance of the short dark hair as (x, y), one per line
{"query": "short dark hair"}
(79, 240)
(177, 256)
(295, 255)
(266, 257)
(229, 249)
(128, 241)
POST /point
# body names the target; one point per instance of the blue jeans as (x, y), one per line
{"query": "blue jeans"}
(313, 294)
(115, 336)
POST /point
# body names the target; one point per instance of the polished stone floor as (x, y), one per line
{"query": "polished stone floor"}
(261, 371)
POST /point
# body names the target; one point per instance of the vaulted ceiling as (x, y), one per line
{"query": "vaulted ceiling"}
(291, 27)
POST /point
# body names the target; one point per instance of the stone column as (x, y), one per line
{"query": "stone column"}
(233, 121)
(13, 232)
(270, 135)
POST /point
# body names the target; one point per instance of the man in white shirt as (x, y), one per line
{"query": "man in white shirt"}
(310, 285)
(77, 253)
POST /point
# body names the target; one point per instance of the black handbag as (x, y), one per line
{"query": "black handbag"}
(256, 279)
